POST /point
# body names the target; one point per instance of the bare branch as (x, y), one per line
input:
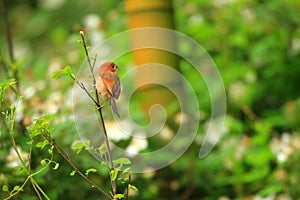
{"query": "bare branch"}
(109, 154)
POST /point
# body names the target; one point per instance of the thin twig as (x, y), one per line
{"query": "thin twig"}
(94, 80)
(9, 42)
(93, 66)
(67, 158)
(99, 108)
(7, 31)
(127, 192)
(81, 85)
(31, 180)
(90, 65)
(248, 112)
(6, 69)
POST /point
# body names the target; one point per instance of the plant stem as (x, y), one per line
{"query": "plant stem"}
(9, 130)
(9, 42)
(58, 149)
(99, 108)
(127, 192)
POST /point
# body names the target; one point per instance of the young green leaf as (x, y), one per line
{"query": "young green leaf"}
(79, 146)
(17, 188)
(119, 196)
(90, 170)
(44, 162)
(101, 150)
(122, 161)
(67, 71)
(87, 144)
(114, 174)
(56, 166)
(72, 173)
(42, 126)
(4, 85)
(132, 187)
(5, 188)
(125, 170)
(42, 144)
(50, 151)
(57, 74)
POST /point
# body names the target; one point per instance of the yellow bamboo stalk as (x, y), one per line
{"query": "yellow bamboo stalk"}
(153, 13)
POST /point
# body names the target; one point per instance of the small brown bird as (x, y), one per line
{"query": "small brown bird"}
(108, 84)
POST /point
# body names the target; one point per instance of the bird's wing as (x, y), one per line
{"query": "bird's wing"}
(116, 89)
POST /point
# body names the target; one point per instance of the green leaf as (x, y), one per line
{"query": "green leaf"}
(17, 188)
(42, 144)
(44, 162)
(56, 166)
(114, 174)
(125, 170)
(90, 170)
(21, 170)
(67, 71)
(119, 196)
(87, 144)
(79, 146)
(101, 150)
(42, 126)
(132, 187)
(3, 87)
(5, 188)
(57, 74)
(50, 151)
(72, 173)
(29, 142)
(122, 161)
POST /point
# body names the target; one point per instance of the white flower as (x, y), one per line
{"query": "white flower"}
(29, 92)
(51, 4)
(236, 91)
(167, 133)
(114, 132)
(13, 159)
(54, 102)
(282, 147)
(136, 145)
(295, 45)
(92, 21)
(181, 118)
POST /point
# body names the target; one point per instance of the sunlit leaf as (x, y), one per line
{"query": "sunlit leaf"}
(122, 161)
(44, 162)
(72, 173)
(119, 196)
(5, 188)
(90, 170)
(56, 166)
(132, 187)
(114, 174)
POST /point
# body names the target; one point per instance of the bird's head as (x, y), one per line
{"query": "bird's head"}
(108, 68)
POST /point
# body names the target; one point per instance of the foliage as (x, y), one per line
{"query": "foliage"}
(255, 45)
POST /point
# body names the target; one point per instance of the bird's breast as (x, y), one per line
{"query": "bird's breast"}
(102, 89)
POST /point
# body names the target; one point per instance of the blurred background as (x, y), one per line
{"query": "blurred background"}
(254, 44)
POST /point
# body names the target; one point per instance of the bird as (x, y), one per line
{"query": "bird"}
(108, 84)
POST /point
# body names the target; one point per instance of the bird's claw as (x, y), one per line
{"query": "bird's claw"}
(99, 107)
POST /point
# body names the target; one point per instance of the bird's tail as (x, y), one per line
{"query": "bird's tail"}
(114, 107)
